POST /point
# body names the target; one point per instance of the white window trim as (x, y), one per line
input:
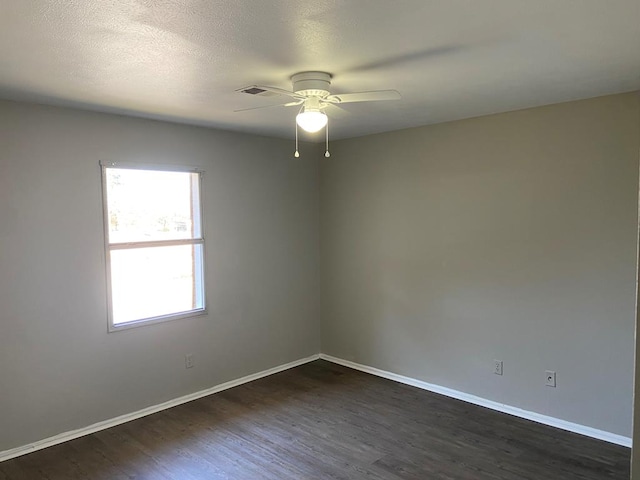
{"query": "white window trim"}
(115, 246)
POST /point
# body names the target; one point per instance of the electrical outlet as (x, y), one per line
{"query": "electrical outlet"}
(550, 378)
(497, 367)
(189, 360)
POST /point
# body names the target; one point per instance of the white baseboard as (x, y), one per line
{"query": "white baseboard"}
(517, 412)
(96, 427)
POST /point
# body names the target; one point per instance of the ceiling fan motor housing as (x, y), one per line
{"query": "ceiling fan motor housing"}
(311, 84)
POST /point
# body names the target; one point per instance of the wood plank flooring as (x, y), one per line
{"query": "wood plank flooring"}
(324, 421)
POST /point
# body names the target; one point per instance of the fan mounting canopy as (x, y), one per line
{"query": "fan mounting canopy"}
(311, 84)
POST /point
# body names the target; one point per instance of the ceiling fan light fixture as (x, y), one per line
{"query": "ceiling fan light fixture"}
(311, 120)
(312, 91)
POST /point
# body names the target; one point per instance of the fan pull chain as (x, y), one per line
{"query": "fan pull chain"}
(326, 128)
(296, 154)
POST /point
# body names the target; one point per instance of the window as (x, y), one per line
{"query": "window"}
(154, 244)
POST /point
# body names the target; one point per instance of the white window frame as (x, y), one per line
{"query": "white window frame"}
(108, 247)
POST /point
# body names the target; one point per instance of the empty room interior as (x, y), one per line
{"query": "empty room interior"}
(306, 240)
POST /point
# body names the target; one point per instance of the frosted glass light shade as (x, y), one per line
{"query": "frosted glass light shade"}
(311, 121)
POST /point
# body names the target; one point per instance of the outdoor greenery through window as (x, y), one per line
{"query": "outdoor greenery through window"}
(154, 244)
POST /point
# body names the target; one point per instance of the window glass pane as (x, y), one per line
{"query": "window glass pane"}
(150, 205)
(155, 281)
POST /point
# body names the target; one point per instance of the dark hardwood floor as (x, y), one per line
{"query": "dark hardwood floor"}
(324, 421)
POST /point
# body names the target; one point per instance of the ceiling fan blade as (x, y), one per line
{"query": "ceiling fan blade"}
(269, 106)
(335, 111)
(279, 91)
(374, 96)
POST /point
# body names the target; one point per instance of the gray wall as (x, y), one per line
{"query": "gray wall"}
(635, 452)
(509, 237)
(59, 368)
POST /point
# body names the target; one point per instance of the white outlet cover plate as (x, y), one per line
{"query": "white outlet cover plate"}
(497, 367)
(550, 378)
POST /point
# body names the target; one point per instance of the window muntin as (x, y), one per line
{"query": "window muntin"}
(154, 244)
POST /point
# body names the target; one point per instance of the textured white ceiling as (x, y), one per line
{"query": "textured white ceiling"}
(183, 60)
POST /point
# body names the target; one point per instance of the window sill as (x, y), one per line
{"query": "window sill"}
(155, 320)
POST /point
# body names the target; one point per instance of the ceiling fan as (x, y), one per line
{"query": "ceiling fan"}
(312, 91)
